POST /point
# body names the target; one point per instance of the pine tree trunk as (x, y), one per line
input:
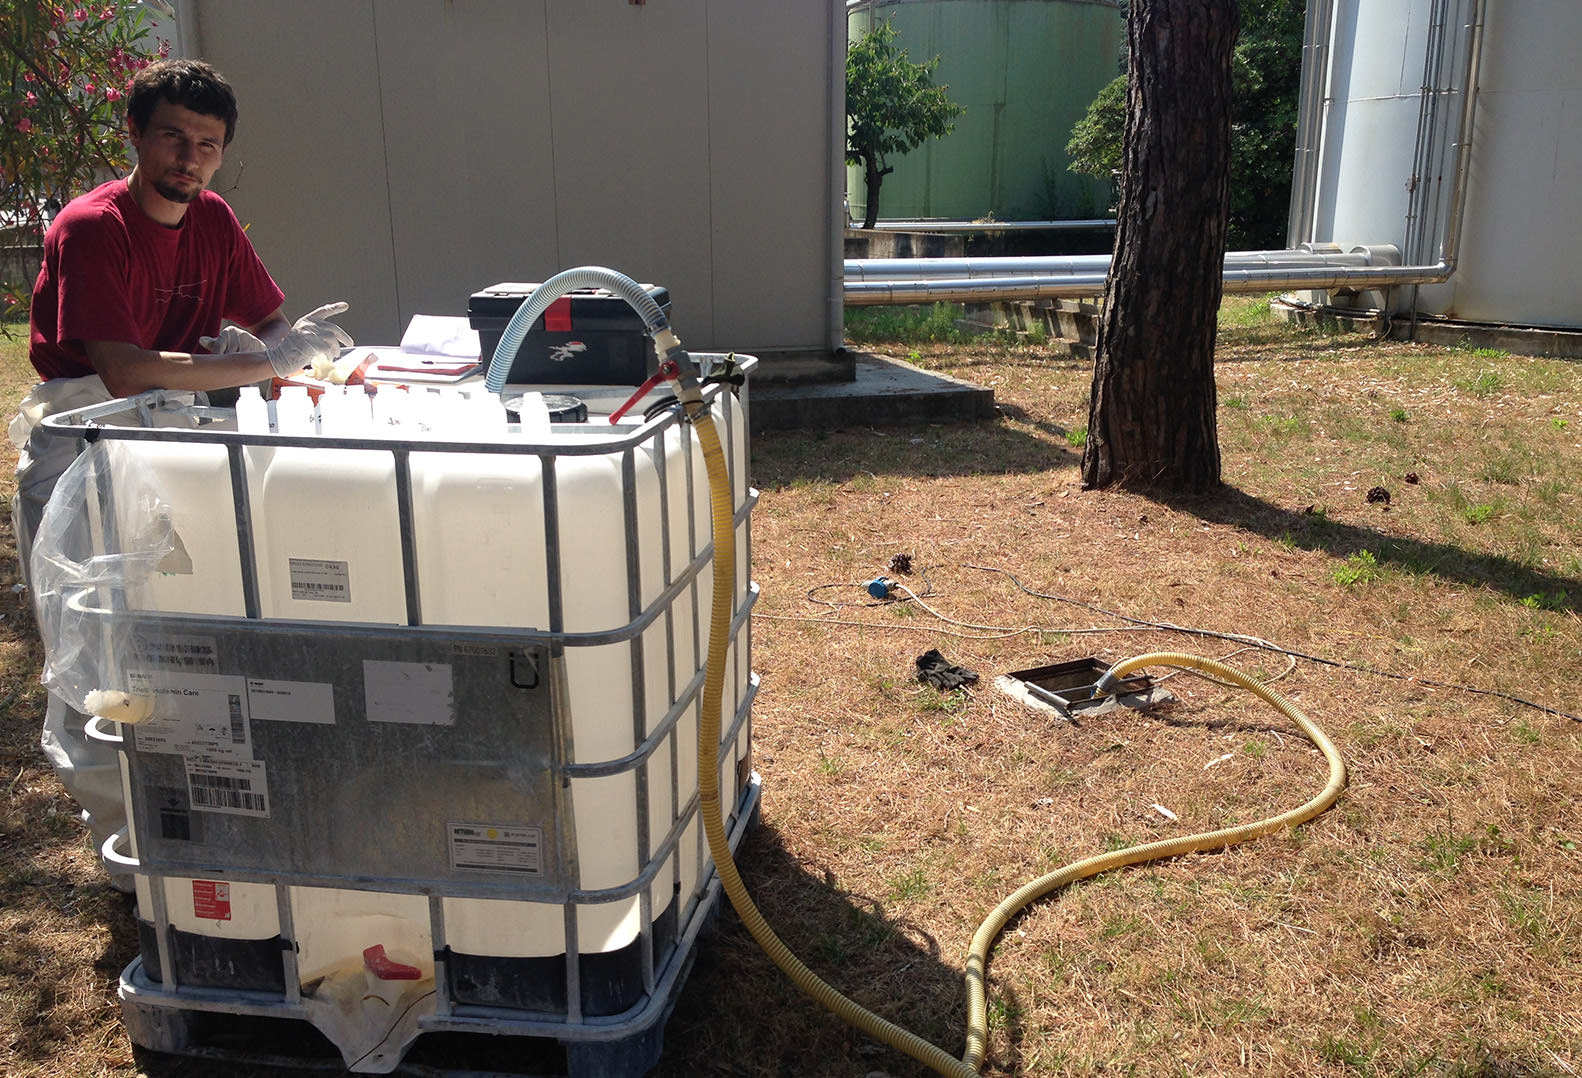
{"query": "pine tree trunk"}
(1151, 418)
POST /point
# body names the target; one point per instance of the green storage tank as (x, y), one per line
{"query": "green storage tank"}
(1026, 71)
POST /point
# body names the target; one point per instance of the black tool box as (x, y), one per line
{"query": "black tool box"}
(589, 336)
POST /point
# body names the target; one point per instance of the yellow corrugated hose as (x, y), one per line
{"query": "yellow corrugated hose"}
(978, 956)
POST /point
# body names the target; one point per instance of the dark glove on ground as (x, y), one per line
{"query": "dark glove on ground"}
(937, 670)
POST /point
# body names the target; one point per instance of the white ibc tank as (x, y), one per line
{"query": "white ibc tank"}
(570, 541)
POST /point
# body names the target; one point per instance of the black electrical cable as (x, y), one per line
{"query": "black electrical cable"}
(1268, 646)
(389, 1032)
(928, 589)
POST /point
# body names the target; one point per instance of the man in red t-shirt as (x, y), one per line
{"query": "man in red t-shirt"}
(137, 272)
(139, 281)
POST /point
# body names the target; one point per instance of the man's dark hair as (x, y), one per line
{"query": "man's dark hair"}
(191, 84)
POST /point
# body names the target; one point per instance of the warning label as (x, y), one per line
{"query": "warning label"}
(211, 900)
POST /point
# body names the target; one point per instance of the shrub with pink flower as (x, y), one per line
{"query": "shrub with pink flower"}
(63, 75)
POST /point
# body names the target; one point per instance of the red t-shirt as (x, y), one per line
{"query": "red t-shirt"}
(112, 273)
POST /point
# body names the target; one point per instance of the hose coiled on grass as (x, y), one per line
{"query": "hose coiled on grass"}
(983, 940)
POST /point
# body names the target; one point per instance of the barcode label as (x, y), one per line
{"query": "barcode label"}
(223, 786)
(320, 581)
(238, 724)
(220, 791)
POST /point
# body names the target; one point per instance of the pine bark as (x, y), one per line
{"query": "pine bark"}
(1152, 414)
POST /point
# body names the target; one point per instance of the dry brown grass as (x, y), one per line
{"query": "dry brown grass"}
(1428, 924)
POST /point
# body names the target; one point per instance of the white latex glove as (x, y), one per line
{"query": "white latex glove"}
(232, 339)
(312, 337)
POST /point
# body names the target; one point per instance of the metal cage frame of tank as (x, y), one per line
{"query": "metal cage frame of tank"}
(160, 1014)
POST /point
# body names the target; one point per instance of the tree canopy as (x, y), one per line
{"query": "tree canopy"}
(892, 106)
(1095, 146)
(1266, 71)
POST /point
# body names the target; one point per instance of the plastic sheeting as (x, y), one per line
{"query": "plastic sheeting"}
(105, 531)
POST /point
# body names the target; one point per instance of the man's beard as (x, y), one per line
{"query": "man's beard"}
(171, 193)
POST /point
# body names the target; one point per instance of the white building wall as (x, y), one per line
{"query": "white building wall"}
(403, 154)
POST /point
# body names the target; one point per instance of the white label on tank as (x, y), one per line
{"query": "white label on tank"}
(237, 787)
(291, 701)
(417, 693)
(496, 847)
(194, 714)
(320, 581)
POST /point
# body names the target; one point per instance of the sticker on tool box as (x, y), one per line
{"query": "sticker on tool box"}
(320, 581)
(194, 714)
(238, 787)
(496, 847)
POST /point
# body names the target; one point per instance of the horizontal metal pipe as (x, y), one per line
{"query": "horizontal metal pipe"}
(925, 225)
(1078, 285)
(921, 269)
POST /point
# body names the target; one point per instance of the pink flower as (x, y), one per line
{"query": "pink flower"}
(164, 49)
(108, 13)
(80, 14)
(32, 99)
(24, 125)
(112, 94)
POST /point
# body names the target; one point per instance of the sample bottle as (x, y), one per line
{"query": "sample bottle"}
(252, 411)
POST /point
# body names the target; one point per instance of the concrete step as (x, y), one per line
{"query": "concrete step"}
(885, 392)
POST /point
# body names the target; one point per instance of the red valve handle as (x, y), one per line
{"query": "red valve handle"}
(669, 370)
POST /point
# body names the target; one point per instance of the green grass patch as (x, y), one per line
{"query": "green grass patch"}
(1361, 568)
(1483, 384)
(905, 325)
(910, 887)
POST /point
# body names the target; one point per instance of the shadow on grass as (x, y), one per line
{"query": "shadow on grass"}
(1260, 349)
(981, 449)
(1233, 507)
(740, 1015)
(934, 450)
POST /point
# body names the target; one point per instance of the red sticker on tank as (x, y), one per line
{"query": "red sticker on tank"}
(211, 900)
